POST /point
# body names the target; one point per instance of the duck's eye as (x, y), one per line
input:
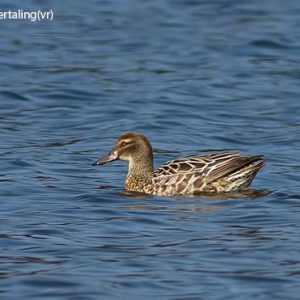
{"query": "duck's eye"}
(123, 144)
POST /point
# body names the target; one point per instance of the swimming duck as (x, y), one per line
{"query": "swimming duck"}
(215, 173)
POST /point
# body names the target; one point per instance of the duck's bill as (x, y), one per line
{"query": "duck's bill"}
(108, 158)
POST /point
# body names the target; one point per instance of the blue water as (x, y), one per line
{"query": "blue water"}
(194, 77)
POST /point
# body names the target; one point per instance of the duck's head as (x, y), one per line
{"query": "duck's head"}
(132, 147)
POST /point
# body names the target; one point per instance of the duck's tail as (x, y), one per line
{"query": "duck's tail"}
(243, 177)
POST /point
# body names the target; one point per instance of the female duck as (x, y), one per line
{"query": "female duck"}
(222, 172)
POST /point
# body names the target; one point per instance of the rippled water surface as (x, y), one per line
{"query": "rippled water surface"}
(193, 76)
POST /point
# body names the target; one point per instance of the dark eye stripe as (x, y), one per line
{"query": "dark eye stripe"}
(124, 143)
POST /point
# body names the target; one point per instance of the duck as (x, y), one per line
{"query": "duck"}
(214, 173)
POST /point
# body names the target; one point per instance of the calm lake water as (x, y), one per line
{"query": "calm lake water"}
(194, 77)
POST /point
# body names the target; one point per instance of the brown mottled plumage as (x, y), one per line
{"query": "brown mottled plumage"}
(222, 172)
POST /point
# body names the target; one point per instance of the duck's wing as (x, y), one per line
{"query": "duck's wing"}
(209, 167)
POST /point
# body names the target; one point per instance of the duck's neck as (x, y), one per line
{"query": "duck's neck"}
(139, 174)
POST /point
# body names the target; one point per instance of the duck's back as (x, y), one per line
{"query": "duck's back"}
(222, 172)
